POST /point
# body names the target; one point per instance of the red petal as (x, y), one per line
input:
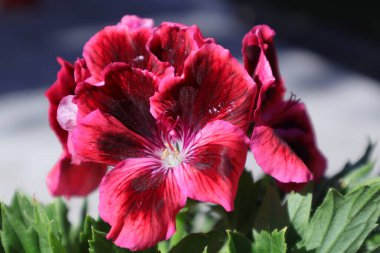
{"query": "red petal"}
(214, 87)
(214, 162)
(289, 116)
(260, 60)
(316, 163)
(68, 179)
(120, 44)
(174, 42)
(140, 201)
(257, 41)
(102, 138)
(63, 86)
(285, 147)
(81, 72)
(125, 96)
(276, 157)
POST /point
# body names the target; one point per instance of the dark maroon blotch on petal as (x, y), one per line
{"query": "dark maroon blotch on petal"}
(102, 138)
(125, 96)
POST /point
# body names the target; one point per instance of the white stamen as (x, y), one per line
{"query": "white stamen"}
(171, 156)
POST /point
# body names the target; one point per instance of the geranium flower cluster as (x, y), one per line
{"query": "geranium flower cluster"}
(167, 111)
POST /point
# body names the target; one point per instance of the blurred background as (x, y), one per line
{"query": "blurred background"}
(328, 53)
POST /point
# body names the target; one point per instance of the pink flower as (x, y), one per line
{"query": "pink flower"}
(282, 141)
(68, 177)
(170, 133)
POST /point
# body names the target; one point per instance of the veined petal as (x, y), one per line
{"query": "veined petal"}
(214, 162)
(140, 201)
(81, 72)
(284, 144)
(121, 44)
(125, 96)
(214, 87)
(63, 86)
(276, 157)
(68, 179)
(173, 43)
(102, 138)
(260, 60)
(314, 160)
(257, 41)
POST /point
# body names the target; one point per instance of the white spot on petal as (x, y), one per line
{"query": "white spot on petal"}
(139, 58)
(67, 113)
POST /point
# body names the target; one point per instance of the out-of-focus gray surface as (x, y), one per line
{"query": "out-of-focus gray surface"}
(344, 106)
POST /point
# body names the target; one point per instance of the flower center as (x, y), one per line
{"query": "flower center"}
(171, 156)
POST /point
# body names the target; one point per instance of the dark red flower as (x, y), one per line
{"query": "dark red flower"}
(282, 141)
(68, 177)
(169, 139)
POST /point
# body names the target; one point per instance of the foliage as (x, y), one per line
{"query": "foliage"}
(265, 219)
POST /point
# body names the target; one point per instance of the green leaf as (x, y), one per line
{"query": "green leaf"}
(27, 237)
(373, 182)
(22, 208)
(372, 243)
(356, 176)
(299, 207)
(55, 245)
(86, 234)
(165, 246)
(193, 243)
(54, 217)
(269, 242)
(28, 226)
(237, 243)
(180, 229)
(341, 224)
(245, 211)
(60, 213)
(100, 244)
(47, 230)
(1, 222)
(150, 250)
(334, 181)
(9, 238)
(1, 245)
(93, 237)
(272, 214)
(40, 226)
(216, 240)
